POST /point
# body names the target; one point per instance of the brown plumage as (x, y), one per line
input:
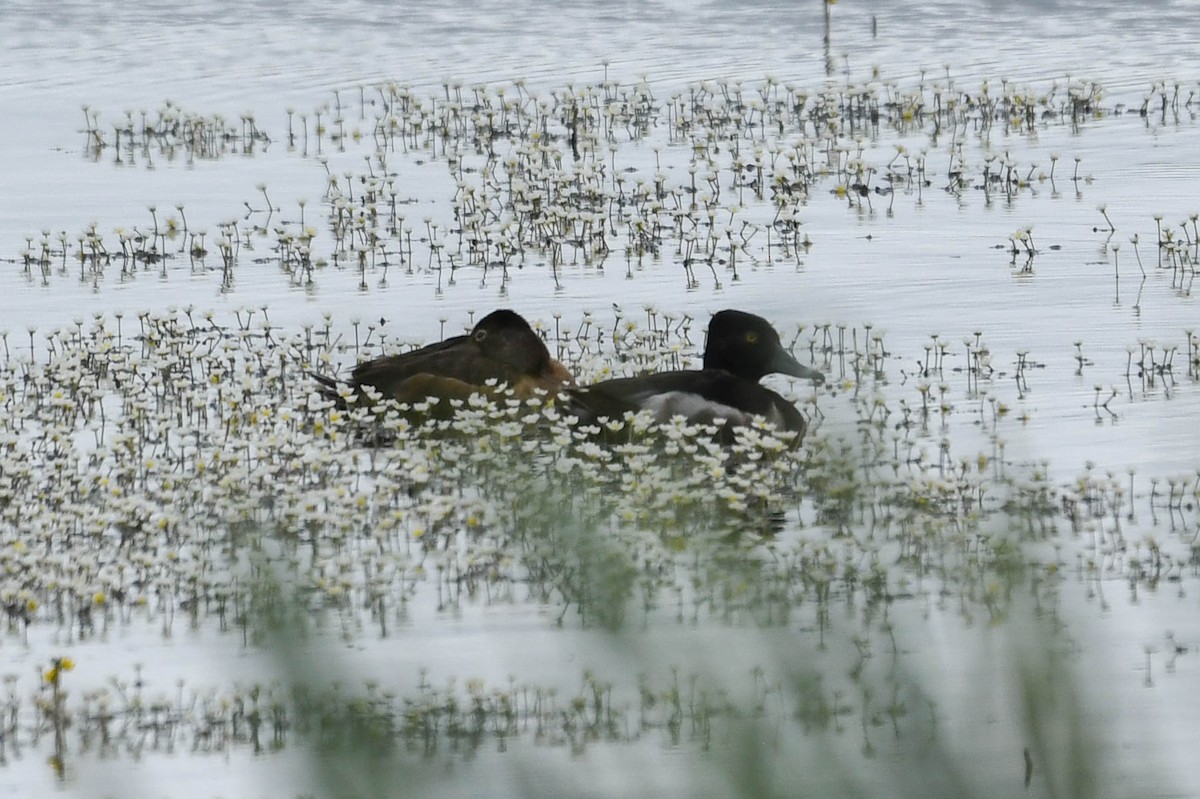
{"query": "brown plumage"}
(502, 349)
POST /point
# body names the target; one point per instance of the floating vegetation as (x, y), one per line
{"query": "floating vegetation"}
(712, 179)
(151, 467)
(126, 716)
(465, 718)
(169, 132)
(177, 471)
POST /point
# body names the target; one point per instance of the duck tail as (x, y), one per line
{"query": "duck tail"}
(329, 388)
(579, 403)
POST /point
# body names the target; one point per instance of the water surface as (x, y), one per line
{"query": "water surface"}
(935, 263)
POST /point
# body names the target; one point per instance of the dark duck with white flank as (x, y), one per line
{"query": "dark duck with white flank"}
(500, 351)
(741, 349)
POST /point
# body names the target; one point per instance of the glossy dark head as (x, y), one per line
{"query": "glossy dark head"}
(746, 345)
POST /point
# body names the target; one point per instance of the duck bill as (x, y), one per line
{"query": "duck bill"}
(785, 363)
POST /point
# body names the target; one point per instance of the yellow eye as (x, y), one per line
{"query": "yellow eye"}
(751, 337)
(480, 335)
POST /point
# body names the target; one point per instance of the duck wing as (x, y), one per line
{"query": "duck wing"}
(456, 358)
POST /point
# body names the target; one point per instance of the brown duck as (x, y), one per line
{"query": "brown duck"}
(501, 351)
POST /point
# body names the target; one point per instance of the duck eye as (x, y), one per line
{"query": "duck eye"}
(480, 335)
(751, 337)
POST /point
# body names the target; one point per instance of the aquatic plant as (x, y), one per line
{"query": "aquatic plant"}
(535, 179)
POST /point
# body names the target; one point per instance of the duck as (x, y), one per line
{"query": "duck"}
(741, 349)
(501, 352)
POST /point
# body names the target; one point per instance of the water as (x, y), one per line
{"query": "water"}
(937, 263)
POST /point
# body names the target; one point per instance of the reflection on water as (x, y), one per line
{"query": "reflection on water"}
(992, 261)
(248, 54)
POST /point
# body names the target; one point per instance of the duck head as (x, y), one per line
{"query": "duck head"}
(746, 345)
(506, 337)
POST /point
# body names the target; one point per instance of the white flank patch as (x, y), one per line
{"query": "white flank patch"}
(692, 407)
